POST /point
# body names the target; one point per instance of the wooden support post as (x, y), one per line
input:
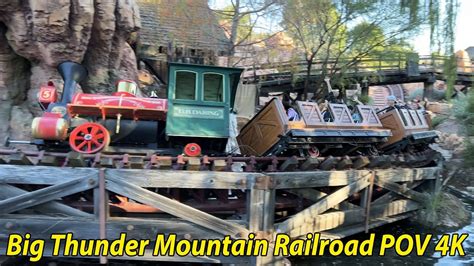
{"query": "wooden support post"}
(101, 202)
(261, 209)
(369, 199)
(428, 90)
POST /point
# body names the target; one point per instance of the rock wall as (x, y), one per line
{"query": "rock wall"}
(35, 36)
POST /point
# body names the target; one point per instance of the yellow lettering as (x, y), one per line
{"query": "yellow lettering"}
(336, 251)
(398, 244)
(420, 250)
(456, 244)
(238, 248)
(281, 245)
(164, 248)
(57, 242)
(14, 244)
(183, 251)
(296, 247)
(350, 249)
(387, 242)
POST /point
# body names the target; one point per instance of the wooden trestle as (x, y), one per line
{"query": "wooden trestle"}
(41, 212)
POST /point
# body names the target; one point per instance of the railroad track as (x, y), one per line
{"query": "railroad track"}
(228, 163)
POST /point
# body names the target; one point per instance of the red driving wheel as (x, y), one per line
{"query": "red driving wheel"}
(192, 150)
(89, 138)
(313, 151)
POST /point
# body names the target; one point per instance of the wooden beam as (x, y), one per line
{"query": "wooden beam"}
(284, 180)
(52, 208)
(355, 229)
(42, 175)
(407, 174)
(19, 158)
(256, 208)
(315, 195)
(290, 164)
(48, 160)
(338, 219)
(326, 203)
(389, 196)
(310, 163)
(183, 179)
(175, 208)
(403, 191)
(75, 159)
(361, 162)
(43, 195)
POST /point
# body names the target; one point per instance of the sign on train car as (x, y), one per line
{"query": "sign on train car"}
(200, 99)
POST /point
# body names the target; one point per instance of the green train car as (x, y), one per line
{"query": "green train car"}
(200, 99)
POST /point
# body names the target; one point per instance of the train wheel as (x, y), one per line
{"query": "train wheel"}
(192, 150)
(372, 151)
(313, 151)
(89, 138)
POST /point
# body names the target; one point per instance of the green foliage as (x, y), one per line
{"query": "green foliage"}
(460, 105)
(464, 112)
(437, 120)
(417, 93)
(244, 27)
(366, 99)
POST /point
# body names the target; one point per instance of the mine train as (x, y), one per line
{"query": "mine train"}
(194, 120)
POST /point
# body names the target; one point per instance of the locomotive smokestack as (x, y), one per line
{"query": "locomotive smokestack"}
(72, 73)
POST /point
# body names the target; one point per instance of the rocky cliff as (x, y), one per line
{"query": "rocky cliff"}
(35, 36)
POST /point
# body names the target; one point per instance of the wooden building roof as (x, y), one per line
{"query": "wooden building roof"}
(184, 23)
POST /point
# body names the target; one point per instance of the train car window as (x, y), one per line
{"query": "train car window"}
(213, 87)
(185, 85)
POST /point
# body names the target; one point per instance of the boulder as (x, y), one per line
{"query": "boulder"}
(36, 36)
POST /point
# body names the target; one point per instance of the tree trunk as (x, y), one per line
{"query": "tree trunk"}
(234, 31)
(307, 79)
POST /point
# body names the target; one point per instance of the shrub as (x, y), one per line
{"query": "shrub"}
(437, 120)
(464, 111)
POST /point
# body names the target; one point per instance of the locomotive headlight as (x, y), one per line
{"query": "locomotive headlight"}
(59, 110)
